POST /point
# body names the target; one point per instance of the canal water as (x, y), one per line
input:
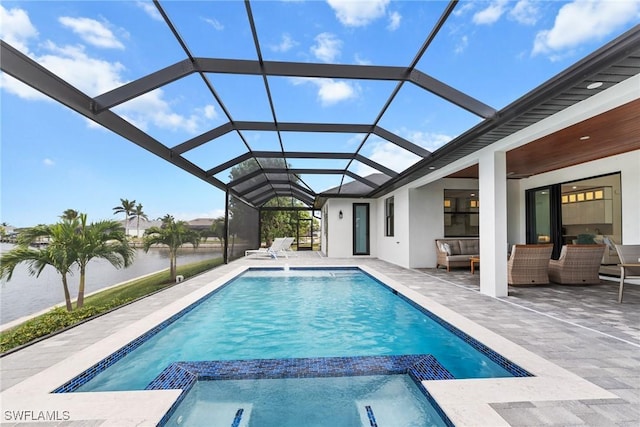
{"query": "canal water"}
(24, 295)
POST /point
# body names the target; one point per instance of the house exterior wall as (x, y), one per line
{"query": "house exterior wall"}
(394, 249)
(338, 237)
(426, 218)
(627, 164)
(419, 212)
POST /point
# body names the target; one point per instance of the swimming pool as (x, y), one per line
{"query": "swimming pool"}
(282, 315)
(267, 313)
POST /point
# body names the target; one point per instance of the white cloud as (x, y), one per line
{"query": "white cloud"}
(16, 28)
(525, 12)
(327, 47)
(389, 155)
(491, 13)
(214, 23)
(92, 32)
(48, 162)
(286, 44)
(582, 21)
(150, 10)
(428, 140)
(152, 109)
(91, 75)
(394, 21)
(20, 89)
(462, 44)
(396, 158)
(210, 112)
(358, 13)
(360, 60)
(330, 92)
(461, 10)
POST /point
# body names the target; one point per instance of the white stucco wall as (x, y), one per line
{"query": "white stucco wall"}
(426, 219)
(395, 249)
(339, 242)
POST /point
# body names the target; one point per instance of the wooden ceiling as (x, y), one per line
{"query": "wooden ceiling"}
(614, 132)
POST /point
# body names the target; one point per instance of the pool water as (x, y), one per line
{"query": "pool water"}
(392, 400)
(296, 314)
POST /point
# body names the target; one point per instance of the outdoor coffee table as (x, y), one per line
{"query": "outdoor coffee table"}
(473, 261)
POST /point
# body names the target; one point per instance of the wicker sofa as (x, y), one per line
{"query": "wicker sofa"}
(456, 252)
(577, 265)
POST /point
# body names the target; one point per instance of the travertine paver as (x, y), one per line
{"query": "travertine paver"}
(582, 329)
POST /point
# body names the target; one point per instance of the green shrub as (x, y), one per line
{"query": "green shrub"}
(59, 318)
(55, 320)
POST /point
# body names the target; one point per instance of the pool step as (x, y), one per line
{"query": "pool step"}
(372, 418)
(241, 415)
(238, 418)
(219, 414)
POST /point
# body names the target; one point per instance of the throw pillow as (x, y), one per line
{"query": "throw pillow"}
(446, 248)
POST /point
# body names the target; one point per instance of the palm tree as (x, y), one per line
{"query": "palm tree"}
(70, 242)
(218, 229)
(172, 234)
(126, 207)
(137, 214)
(60, 253)
(103, 239)
(69, 214)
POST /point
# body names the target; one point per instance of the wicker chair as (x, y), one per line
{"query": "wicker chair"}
(577, 265)
(629, 254)
(529, 264)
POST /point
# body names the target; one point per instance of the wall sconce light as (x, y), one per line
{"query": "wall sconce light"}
(340, 214)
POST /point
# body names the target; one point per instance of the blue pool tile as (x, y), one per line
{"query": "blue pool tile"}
(237, 418)
(372, 418)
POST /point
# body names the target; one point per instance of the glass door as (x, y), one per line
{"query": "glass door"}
(361, 229)
(305, 234)
(542, 217)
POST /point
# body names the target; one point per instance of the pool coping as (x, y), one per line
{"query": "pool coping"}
(464, 401)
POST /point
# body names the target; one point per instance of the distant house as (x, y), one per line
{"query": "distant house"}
(132, 228)
(201, 224)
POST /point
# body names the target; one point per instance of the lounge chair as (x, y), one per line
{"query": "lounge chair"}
(284, 249)
(276, 245)
(529, 264)
(629, 254)
(577, 265)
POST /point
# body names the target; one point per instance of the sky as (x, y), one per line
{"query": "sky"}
(53, 159)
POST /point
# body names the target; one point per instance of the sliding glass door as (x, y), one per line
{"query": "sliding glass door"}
(543, 217)
(588, 210)
(361, 229)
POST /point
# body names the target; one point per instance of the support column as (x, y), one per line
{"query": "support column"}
(493, 224)
(225, 249)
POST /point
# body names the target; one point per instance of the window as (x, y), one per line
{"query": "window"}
(461, 213)
(388, 215)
